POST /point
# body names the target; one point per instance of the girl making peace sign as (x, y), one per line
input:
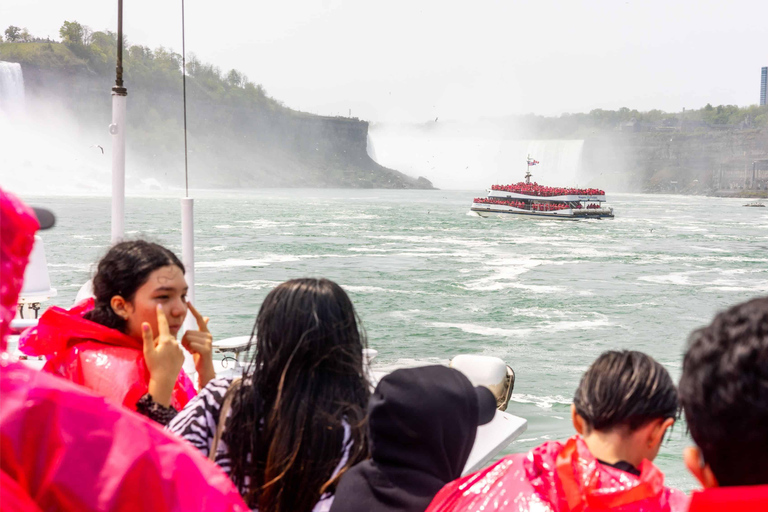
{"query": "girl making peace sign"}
(108, 343)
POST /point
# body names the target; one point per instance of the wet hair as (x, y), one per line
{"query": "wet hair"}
(625, 389)
(122, 271)
(285, 434)
(724, 392)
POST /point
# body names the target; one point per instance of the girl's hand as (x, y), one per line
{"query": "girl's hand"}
(200, 344)
(163, 357)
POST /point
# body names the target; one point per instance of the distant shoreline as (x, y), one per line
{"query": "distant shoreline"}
(744, 194)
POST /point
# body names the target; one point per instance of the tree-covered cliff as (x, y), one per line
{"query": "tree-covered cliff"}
(238, 135)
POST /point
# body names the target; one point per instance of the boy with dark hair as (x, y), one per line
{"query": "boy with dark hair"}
(622, 408)
(724, 393)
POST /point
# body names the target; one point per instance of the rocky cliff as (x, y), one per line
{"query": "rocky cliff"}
(234, 141)
(678, 161)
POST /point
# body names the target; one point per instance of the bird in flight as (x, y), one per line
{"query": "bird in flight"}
(97, 146)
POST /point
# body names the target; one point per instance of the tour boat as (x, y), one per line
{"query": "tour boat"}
(534, 200)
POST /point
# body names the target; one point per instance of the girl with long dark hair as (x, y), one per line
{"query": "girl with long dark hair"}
(296, 421)
(122, 343)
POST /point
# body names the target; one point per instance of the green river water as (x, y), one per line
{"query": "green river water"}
(430, 281)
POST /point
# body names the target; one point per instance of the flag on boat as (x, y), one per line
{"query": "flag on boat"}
(531, 161)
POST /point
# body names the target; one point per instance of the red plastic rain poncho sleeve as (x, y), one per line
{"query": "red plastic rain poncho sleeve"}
(557, 477)
(69, 450)
(104, 360)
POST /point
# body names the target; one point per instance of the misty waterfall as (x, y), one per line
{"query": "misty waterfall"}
(11, 88)
(465, 160)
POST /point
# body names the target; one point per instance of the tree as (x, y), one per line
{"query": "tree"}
(235, 78)
(72, 33)
(87, 35)
(12, 33)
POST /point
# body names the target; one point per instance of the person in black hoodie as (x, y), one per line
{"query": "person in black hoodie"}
(422, 424)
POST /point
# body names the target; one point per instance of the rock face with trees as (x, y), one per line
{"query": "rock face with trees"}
(238, 135)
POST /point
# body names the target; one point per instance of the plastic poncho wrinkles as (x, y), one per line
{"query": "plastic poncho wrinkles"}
(17, 236)
(104, 360)
(67, 449)
(558, 477)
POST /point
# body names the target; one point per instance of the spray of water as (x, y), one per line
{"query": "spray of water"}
(47, 150)
(459, 156)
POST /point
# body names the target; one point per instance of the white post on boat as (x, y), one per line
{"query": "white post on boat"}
(188, 259)
(187, 203)
(187, 213)
(188, 245)
(117, 129)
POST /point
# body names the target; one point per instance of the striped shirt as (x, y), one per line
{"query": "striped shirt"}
(197, 424)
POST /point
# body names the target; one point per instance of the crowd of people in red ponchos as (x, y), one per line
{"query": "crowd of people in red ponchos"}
(488, 200)
(539, 207)
(534, 189)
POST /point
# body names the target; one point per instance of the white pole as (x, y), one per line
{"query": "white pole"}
(117, 129)
(188, 259)
(188, 244)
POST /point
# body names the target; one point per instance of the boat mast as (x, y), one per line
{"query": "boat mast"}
(528, 170)
(117, 129)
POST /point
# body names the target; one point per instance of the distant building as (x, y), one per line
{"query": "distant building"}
(763, 86)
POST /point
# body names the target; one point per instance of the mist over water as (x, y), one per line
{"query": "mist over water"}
(46, 149)
(453, 157)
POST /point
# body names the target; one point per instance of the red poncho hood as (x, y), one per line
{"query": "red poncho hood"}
(17, 236)
(59, 329)
(102, 359)
(559, 477)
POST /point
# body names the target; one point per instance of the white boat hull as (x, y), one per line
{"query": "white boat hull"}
(568, 214)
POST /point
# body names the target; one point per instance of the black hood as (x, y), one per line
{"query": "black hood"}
(422, 425)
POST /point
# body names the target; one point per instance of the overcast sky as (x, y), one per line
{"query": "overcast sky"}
(416, 60)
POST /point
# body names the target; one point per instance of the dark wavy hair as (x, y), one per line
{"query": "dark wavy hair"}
(724, 392)
(625, 389)
(285, 434)
(122, 271)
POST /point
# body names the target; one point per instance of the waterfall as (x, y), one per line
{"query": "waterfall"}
(455, 159)
(370, 149)
(11, 88)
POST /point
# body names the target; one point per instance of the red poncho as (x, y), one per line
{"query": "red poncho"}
(557, 477)
(63, 448)
(104, 360)
(752, 498)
